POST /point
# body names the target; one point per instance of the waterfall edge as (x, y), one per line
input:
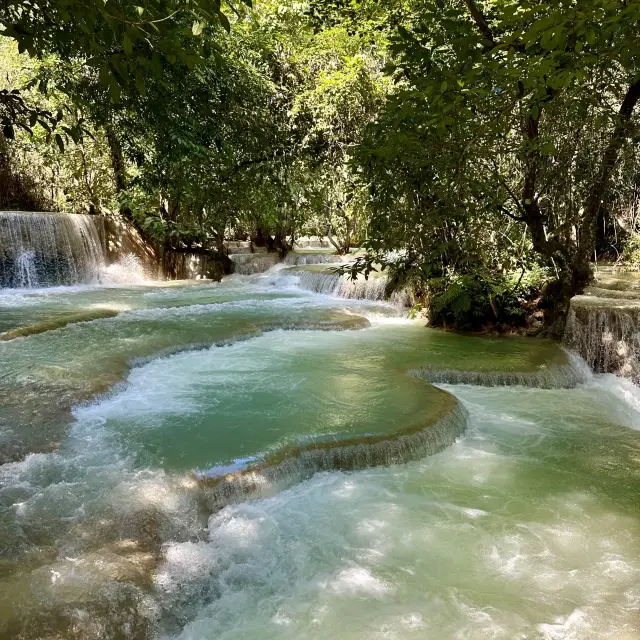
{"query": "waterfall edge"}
(294, 464)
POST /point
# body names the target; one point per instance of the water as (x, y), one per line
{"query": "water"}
(248, 260)
(45, 249)
(26, 274)
(603, 325)
(249, 459)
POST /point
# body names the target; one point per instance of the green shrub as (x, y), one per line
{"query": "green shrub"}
(473, 301)
(630, 257)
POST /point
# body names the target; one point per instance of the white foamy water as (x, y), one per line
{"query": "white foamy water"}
(481, 541)
(497, 537)
(128, 270)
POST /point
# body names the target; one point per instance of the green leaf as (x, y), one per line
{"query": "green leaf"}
(127, 45)
(156, 65)
(104, 75)
(59, 142)
(224, 21)
(114, 90)
(140, 83)
(197, 28)
(8, 131)
(548, 149)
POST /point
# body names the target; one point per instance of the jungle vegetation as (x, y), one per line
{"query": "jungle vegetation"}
(484, 151)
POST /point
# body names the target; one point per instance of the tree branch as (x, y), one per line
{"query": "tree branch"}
(481, 22)
(508, 213)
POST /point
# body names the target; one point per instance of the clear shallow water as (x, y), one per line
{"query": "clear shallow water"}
(526, 527)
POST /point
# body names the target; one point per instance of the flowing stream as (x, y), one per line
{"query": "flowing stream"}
(251, 459)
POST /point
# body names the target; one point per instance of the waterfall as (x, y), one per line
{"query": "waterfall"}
(554, 376)
(26, 270)
(248, 263)
(375, 288)
(248, 260)
(299, 259)
(606, 333)
(48, 249)
(318, 282)
(285, 468)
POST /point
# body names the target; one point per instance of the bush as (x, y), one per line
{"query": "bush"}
(630, 257)
(477, 300)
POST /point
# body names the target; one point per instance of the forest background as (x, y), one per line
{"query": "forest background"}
(484, 153)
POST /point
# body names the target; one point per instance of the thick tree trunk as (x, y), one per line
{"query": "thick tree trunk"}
(260, 239)
(342, 248)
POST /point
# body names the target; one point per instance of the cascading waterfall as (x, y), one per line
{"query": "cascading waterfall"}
(318, 282)
(47, 249)
(247, 264)
(606, 333)
(248, 260)
(289, 467)
(554, 376)
(26, 274)
(375, 288)
(111, 522)
(332, 284)
(299, 259)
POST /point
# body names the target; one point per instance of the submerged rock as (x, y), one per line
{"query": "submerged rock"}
(57, 323)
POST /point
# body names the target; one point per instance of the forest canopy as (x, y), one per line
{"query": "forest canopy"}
(486, 153)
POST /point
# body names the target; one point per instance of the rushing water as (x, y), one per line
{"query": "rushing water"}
(45, 249)
(250, 459)
(603, 325)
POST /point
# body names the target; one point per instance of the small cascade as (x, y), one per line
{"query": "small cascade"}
(234, 247)
(313, 242)
(248, 259)
(26, 274)
(375, 288)
(605, 331)
(48, 249)
(318, 282)
(554, 376)
(247, 264)
(284, 468)
(301, 259)
(372, 289)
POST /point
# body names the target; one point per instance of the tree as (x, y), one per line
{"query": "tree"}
(518, 112)
(123, 40)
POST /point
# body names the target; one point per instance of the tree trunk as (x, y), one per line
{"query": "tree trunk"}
(587, 233)
(117, 158)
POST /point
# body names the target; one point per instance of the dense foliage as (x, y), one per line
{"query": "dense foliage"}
(484, 152)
